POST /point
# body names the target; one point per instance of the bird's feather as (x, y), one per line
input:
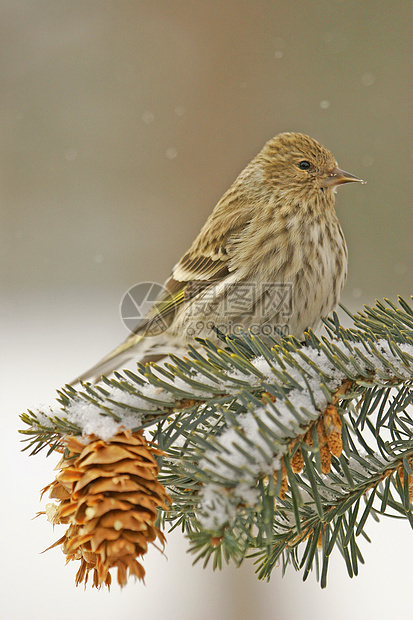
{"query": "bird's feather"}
(192, 275)
(275, 226)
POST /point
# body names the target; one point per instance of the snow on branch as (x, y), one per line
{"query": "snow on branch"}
(262, 447)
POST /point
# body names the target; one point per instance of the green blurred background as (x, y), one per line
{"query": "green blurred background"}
(121, 125)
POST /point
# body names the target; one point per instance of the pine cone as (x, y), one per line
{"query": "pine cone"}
(109, 494)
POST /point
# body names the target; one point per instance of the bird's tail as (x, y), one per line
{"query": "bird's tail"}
(113, 360)
(142, 349)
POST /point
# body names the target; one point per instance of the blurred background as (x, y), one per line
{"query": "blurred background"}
(121, 125)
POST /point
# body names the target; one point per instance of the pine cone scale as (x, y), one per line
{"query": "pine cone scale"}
(109, 494)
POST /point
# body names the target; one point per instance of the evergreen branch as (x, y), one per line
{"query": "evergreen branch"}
(268, 447)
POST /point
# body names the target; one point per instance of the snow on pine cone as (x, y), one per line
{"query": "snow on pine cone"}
(109, 494)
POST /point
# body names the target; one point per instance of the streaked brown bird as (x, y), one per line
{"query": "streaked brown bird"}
(271, 258)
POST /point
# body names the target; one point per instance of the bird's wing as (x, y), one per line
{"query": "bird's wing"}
(203, 265)
(189, 277)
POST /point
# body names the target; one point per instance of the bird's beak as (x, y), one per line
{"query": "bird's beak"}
(337, 177)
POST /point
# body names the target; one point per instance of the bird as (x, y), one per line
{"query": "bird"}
(271, 258)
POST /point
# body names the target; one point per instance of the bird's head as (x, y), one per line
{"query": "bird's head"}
(294, 162)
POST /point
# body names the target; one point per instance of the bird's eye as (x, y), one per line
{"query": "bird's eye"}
(304, 165)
